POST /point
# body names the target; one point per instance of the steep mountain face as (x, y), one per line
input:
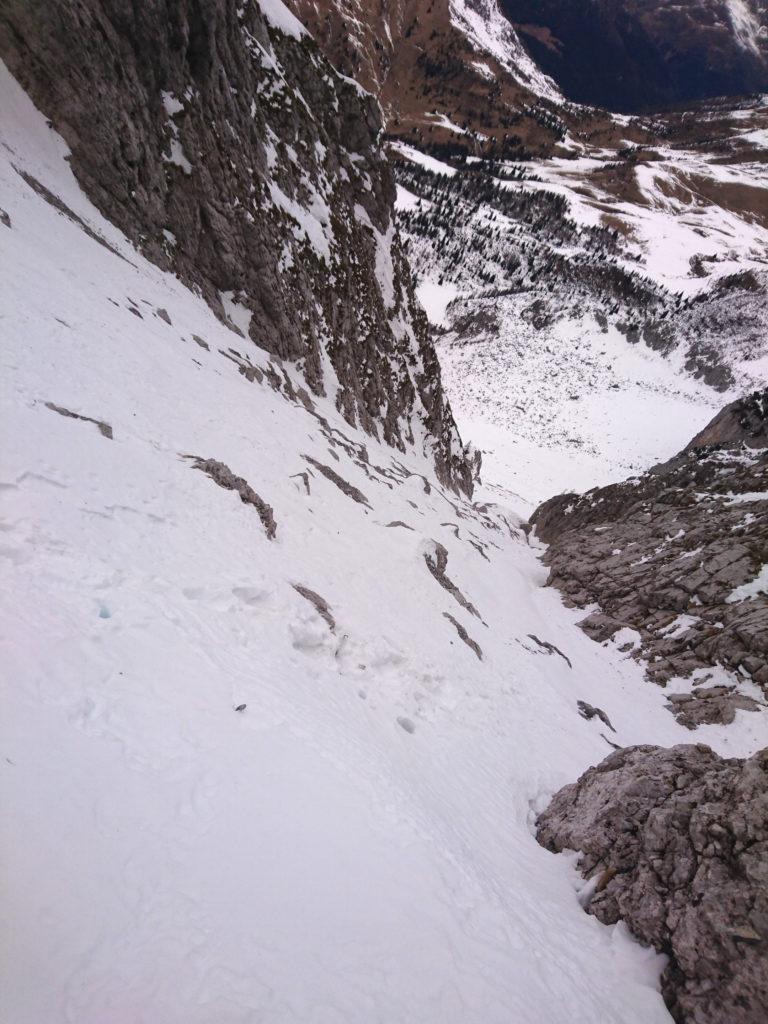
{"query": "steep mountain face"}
(634, 55)
(282, 706)
(447, 72)
(678, 557)
(218, 138)
(284, 700)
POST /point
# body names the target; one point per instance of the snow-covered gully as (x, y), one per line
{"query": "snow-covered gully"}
(280, 710)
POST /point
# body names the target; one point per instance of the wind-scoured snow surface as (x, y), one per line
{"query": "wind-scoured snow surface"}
(354, 844)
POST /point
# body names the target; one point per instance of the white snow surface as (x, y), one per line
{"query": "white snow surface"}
(579, 408)
(278, 16)
(435, 298)
(759, 585)
(238, 314)
(430, 162)
(356, 844)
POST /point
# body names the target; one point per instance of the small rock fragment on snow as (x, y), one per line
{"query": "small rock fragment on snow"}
(104, 428)
(224, 477)
(436, 561)
(321, 606)
(588, 712)
(550, 648)
(344, 486)
(464, 635)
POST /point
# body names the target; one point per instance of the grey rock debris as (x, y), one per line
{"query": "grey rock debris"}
(711, 705)
(104, 428)
(224, 477)
(464, 635)
(321, 606)
(436, 561)
(589, 712)
(344, 486)
(550, 648)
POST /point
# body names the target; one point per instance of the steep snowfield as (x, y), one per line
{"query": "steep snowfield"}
(354, 845)
(490, 32)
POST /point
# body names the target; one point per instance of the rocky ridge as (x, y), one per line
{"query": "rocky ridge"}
(223, 143)
(675, 843)
(678, 555)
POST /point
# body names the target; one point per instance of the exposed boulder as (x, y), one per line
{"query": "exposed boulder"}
(679, 555)
(676, 844)
(709, 705)
(744, 421)
(223, 143)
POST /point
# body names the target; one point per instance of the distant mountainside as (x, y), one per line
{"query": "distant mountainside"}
(636, 55)
(595, 303)
(445, 72)
(548, 238)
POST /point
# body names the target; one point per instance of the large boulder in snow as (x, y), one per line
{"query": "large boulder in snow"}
(744, 421)
(676, 843)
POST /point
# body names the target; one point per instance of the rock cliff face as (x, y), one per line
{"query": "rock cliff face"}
(676, 844)
(220, 140)
(678, 554)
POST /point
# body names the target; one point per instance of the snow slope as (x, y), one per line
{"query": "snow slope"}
(355, 844)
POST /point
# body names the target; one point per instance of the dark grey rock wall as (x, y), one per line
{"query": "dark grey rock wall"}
(234, 154)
